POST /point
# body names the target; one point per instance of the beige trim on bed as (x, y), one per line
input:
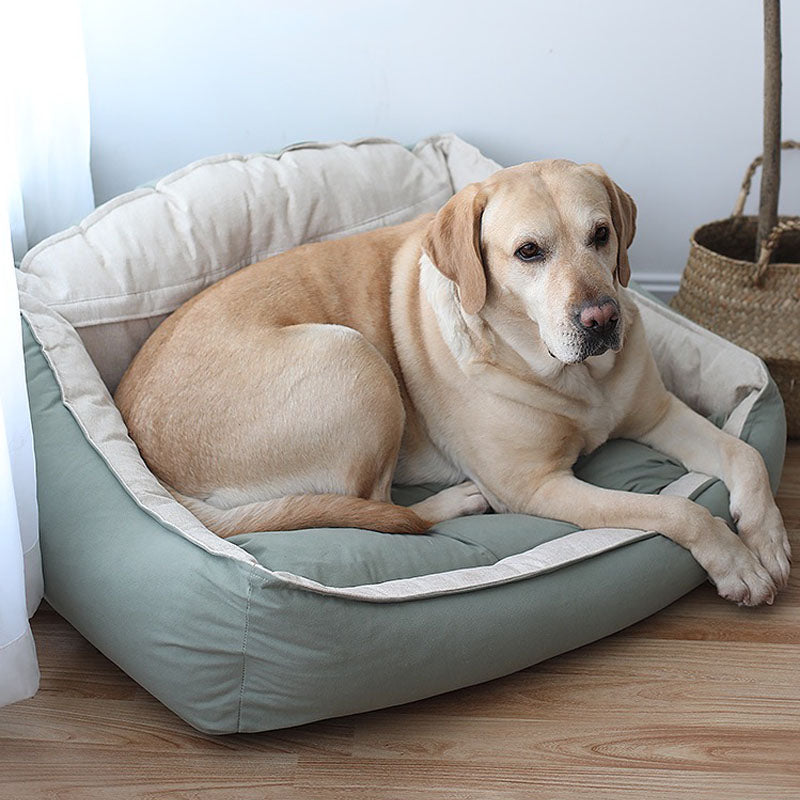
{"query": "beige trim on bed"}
(687, 484)
(546, 557)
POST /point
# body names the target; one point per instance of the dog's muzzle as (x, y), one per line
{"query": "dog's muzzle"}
(599, 324)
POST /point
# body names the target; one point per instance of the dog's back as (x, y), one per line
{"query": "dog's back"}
(262, 363)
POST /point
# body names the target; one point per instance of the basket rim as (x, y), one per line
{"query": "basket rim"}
(751, 264)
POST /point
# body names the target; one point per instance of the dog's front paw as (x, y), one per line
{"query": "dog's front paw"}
(766, 538)
(745, 582)
(735, 570)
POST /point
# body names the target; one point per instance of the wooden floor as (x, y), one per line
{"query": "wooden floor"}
(700, 701)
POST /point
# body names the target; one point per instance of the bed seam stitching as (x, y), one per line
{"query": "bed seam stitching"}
(244, 648)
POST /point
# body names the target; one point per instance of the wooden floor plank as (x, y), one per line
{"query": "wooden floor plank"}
(701, 700)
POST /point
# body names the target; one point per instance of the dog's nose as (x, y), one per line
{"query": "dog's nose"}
(600, 319)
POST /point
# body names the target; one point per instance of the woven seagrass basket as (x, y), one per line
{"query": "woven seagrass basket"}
(753, 304)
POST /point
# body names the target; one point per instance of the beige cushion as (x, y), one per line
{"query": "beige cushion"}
(117, 274)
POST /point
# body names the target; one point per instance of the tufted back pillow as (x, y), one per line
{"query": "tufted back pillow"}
(122, 270)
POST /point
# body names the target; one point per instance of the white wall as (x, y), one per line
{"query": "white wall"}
(666, 95)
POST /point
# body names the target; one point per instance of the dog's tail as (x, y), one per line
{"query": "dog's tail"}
(295, 512)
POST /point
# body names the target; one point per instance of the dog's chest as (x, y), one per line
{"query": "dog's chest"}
(596, 428)
(595, 409)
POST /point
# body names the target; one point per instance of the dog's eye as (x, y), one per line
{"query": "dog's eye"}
(601, 236)
(530, 251)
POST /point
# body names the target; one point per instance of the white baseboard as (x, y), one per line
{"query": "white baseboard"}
(662, 284)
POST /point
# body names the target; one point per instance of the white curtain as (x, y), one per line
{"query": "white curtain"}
(45, 185)
(21, 584)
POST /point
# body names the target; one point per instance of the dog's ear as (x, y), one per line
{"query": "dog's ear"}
(623, 217)
(453, 243)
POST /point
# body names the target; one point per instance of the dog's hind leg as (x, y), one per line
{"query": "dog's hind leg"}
(315, 443)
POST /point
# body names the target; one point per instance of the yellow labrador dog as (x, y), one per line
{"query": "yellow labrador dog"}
(486, 346)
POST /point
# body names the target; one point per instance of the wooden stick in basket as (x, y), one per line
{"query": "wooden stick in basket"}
(771, 175)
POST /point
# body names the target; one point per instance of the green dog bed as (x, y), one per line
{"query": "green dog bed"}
(274, 629)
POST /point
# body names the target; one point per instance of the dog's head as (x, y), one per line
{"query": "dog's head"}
(547, 242)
